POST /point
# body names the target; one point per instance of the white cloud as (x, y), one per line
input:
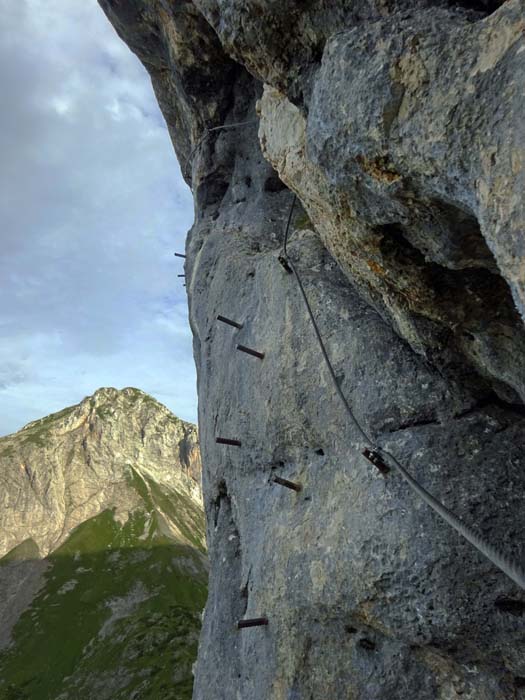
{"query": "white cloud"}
(92, 206)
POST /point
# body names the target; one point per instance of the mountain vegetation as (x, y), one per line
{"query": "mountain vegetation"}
(107, 605)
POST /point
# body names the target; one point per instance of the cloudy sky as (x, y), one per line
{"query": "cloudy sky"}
(92, 207)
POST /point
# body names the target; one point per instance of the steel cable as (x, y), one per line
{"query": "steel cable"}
(208, 131)
(509, 567)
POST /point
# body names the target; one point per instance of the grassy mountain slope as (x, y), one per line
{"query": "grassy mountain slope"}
(115, 609)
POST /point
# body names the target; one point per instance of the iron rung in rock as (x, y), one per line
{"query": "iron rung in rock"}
(249, 351)
(253, 622)
(229, 322)
(227, 441)
(289, 484)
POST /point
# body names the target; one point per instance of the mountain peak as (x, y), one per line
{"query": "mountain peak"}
(102, 404)
(62, 469)
(101, 523)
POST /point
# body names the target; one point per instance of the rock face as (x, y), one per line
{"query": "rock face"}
(398, 125)
(102, 565)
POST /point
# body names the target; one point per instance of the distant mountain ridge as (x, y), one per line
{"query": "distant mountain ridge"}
(103, 570)
(58, 471)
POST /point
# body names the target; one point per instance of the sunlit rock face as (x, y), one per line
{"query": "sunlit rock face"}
(70, 466)
(399, 127)
(103, 569)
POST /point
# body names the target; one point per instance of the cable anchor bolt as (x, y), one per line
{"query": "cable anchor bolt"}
(376, 460)
(284, 262)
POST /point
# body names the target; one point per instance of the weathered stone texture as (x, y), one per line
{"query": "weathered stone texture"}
(401, 162)
(59, 471)
(399, 127)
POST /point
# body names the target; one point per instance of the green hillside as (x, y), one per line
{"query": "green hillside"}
(118, 615)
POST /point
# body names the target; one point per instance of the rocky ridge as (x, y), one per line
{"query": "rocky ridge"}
(61, 470)
(102, 568)
(398, 126)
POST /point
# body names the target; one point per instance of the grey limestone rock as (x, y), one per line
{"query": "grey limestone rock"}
(399, 127)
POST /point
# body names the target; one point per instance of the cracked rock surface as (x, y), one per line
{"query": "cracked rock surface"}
(399, 126)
